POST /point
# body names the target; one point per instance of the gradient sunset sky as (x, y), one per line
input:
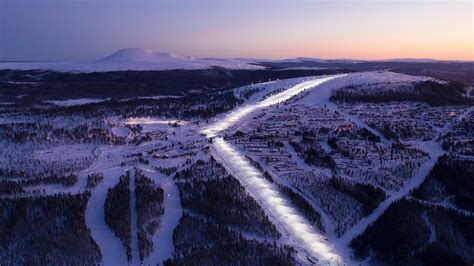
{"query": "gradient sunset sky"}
(357, 29)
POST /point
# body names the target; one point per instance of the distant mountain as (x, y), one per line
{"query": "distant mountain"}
(313, 60)
(139, 59)
(140, 55)
(350, 61)
(411, 60)
(142, 59)
(136, 59)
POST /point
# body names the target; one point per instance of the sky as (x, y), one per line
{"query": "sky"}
(65, 30)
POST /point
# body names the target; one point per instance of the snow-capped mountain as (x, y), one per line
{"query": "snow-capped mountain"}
(142, 59)
(141, 55)
(135, 59)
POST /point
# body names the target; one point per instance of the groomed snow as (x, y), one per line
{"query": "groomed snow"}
(269, 196)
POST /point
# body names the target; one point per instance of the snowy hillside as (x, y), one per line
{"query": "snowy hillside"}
(375, 82)
(384, 86)
(135, 59)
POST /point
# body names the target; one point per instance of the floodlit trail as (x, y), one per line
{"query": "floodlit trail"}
(285, 216)
(234, 116)
(273, 202)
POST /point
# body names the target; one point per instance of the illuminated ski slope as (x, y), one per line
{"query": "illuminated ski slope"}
(285, 217)
(233, 117)
(268, 195)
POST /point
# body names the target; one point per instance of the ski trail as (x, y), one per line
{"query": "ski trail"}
(163, 237)
(286, 218)
(133, 229)
(111, 248)
(268, 196)
(234, 116)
